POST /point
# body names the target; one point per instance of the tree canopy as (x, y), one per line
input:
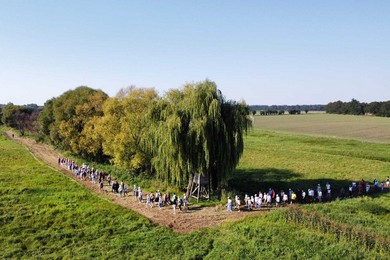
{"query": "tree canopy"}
(195, 130)
(188, 131)
(123, 126)
(68, 121)
(355, 107)
(23, 118)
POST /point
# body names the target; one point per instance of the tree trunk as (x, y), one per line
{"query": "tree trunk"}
(190, 181)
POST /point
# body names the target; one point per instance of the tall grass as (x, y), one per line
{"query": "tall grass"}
(344, 232)
(369, 214)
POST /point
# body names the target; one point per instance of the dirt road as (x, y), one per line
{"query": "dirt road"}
(181, 222)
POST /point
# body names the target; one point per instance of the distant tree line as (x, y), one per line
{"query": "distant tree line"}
(288, 107)
(277, 112)
(23, 118)
(172, 137)
(355, 107)
(268, 112)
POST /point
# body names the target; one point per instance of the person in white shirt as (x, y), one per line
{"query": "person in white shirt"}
(229, 204)
(238, 203)
(285, 198)
(277, 200)
(319, 193)
(311, 194)
(269, 200)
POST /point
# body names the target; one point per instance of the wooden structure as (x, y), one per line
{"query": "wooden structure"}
(200, 187)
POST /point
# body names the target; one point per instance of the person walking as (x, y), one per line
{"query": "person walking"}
(229, 204)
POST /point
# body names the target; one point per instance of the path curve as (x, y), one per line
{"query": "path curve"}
(181, 222)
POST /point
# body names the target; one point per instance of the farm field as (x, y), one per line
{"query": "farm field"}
(363, 128)
(47, 214)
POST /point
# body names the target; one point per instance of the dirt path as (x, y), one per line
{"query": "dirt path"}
(181, 222)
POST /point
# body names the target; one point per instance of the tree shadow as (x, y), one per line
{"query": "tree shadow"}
(252, 181)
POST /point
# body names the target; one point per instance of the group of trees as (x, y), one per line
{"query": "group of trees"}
(22, 118)
(296, 112)
(268, 112)
(278, 112)
(355, 107)
(187, 131)
(288, 107)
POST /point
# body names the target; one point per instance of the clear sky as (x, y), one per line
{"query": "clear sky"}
(264, 52)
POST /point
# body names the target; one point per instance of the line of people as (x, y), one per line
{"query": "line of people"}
(267, 199)
(272, 198)
(161, 200)
(85, 172)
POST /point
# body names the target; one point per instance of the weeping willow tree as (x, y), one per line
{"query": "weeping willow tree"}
(195, 130)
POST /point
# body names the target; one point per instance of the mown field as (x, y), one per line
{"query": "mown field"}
(45, 214)
(363, 128)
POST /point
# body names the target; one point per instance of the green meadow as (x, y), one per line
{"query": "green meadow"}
(44, 214)
(280, 160)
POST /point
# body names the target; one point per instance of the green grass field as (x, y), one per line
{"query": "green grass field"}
(44, 214)
(296, 161)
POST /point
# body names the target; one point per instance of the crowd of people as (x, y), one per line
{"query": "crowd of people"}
(272, 198)
(257, 201)
(85, 172)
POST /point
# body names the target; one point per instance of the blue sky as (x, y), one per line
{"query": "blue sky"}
(264, 52)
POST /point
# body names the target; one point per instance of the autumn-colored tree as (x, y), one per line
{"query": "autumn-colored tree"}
(67, 121)
(123, 125)
(188, 131)
(22, 118)
(25, 120)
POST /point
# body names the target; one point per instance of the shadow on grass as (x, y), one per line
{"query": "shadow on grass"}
(252, 181)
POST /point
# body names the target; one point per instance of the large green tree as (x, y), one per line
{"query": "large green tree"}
(8, 113)
(67, 121)
(45, 122)
(195, 130)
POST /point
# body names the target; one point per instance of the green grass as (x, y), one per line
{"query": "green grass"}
(44, 214)
(371, 214)
(285, 161)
